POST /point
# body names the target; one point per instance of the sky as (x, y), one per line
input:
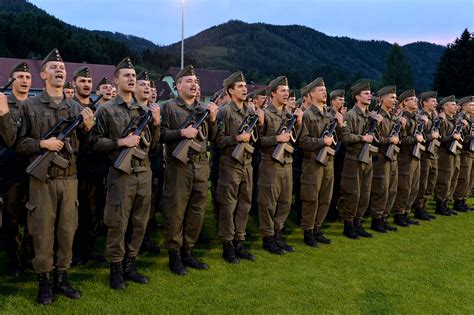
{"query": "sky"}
(401, 21)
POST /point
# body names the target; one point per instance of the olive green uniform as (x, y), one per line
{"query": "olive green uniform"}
(128, 196)
(185, 192)
(356, 176)
(234, 188)
(53, 205)
(462, 190)
(316, 179)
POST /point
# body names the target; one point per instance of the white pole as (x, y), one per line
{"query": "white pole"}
(182, 34)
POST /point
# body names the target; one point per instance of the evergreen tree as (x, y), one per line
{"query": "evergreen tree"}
(397, 71)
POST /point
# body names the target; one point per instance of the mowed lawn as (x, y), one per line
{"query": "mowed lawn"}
(422, 269)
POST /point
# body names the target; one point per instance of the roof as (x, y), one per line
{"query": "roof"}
(97, 71)
(163, 91)
(209, 80)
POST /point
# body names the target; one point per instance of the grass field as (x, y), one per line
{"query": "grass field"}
(423, 269)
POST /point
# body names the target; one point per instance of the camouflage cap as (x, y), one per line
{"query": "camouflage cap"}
(390, 89)
(258, 92)
(316, 82)
(82, 72)
(337, 93)
(233, 78)
(186, 71)
(104, 80)
(21, 67)
(427, 95)
(152, 84)
(466, 100)
(447, 99)
(143, 76)
(292, 93)
(304, 90)
(281, 80)
(406, 94)
(359, 87)
(250, 96)
(52, 56)
(125, 63)
(68, 85)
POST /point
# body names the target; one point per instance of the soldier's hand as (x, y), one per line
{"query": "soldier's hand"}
(457, 136)
(130, 141)
(284, 137)
(378, 118)
(52, 144)
(88, 118)
(243, 137)
(3, 104)
(368, 138)
(435, 135)
(419, 138)
(212, 107)
(251, 106)
(328, 141)
(155, 113)
(261, 116)
(343, 110)
(465, 123)
(340, 119)
(424, 118)
(298, 112)
(189, 132)
(442, 115)
(403, 121)
(394, 140)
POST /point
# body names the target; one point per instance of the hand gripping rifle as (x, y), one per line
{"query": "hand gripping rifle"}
(471, 133)
(3, 89)
(247, 126)
(434, 143)
(281, 148)
(329, 131)
(364, 155)
(419, 147)
(393, 148)
(39, 167)
(457, 144)
(124, 160)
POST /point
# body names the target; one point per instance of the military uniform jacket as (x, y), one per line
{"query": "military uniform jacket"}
(112, 118)
(446, 130)
(407, 134)
(384, 129)
(314, 124)
(269, 130)
(467, 133)
(175, 113)
(355, 124)
(38, 114)
(230, 118)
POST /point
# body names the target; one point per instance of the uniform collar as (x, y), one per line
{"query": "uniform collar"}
(46, 99)
(360, 112)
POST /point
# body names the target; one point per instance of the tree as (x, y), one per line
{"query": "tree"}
(455, 70)
(397, 71)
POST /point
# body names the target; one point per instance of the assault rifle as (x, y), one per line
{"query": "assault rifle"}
(281, 148)
(364, 155)
(434, 143)
(247, 126)
(456, 144)
(329, 131)
(418, 148)
(393, 148)
(9, 83)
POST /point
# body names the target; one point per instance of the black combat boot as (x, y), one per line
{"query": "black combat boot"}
(131, 273)
(309, 238)
(149, 246)
(465, 205)
(229, 253)
(387, 226)
(270, 246)
(190, 261)
(377, 225)
(242, 251)
(442, 209)
(14, 266)
(175, 263)
(281, 243)
(360, 230)
(399, 219)
(45, 289)
(458, 205)
(61, 285)
(116, 276)
(320, 238)
(410, 221)
(446, 206)
(349, 230)
(421, 215)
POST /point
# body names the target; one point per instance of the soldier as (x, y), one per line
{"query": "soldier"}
(185, 194)
(13, 170)
(291, 101)
(114, 91)
(104, 89)
(143, 93)
(317, 178)
(429, 161)
(275, 179)
(385, 170)
(447, 160)
(409, 165)
(337, 106)
(462, 188)
(259, 98)
(69, 90)
(356, 176)
(52, 205)
(128, 195)
(91, 171)
(153, 95)
(234, 190)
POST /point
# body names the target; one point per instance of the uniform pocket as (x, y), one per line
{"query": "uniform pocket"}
(264, 194)
(30, 221)
(111, 212)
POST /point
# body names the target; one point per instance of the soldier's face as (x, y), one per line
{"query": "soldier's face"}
(83, 86)
(389, 100)
(143, 90)
(239, 91)
(126, 80)
(450, 108)
(259, 100)
(281, 95)
(364, 97)
(469, 108)
(338, 102)
(69, 93)
(153, 95)
(114, 91)
(188, 86)
(22, 83)
(431, 103)
(54, 74)
(319, 94)
(106, 91)
(410, 104)
(292, 102)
